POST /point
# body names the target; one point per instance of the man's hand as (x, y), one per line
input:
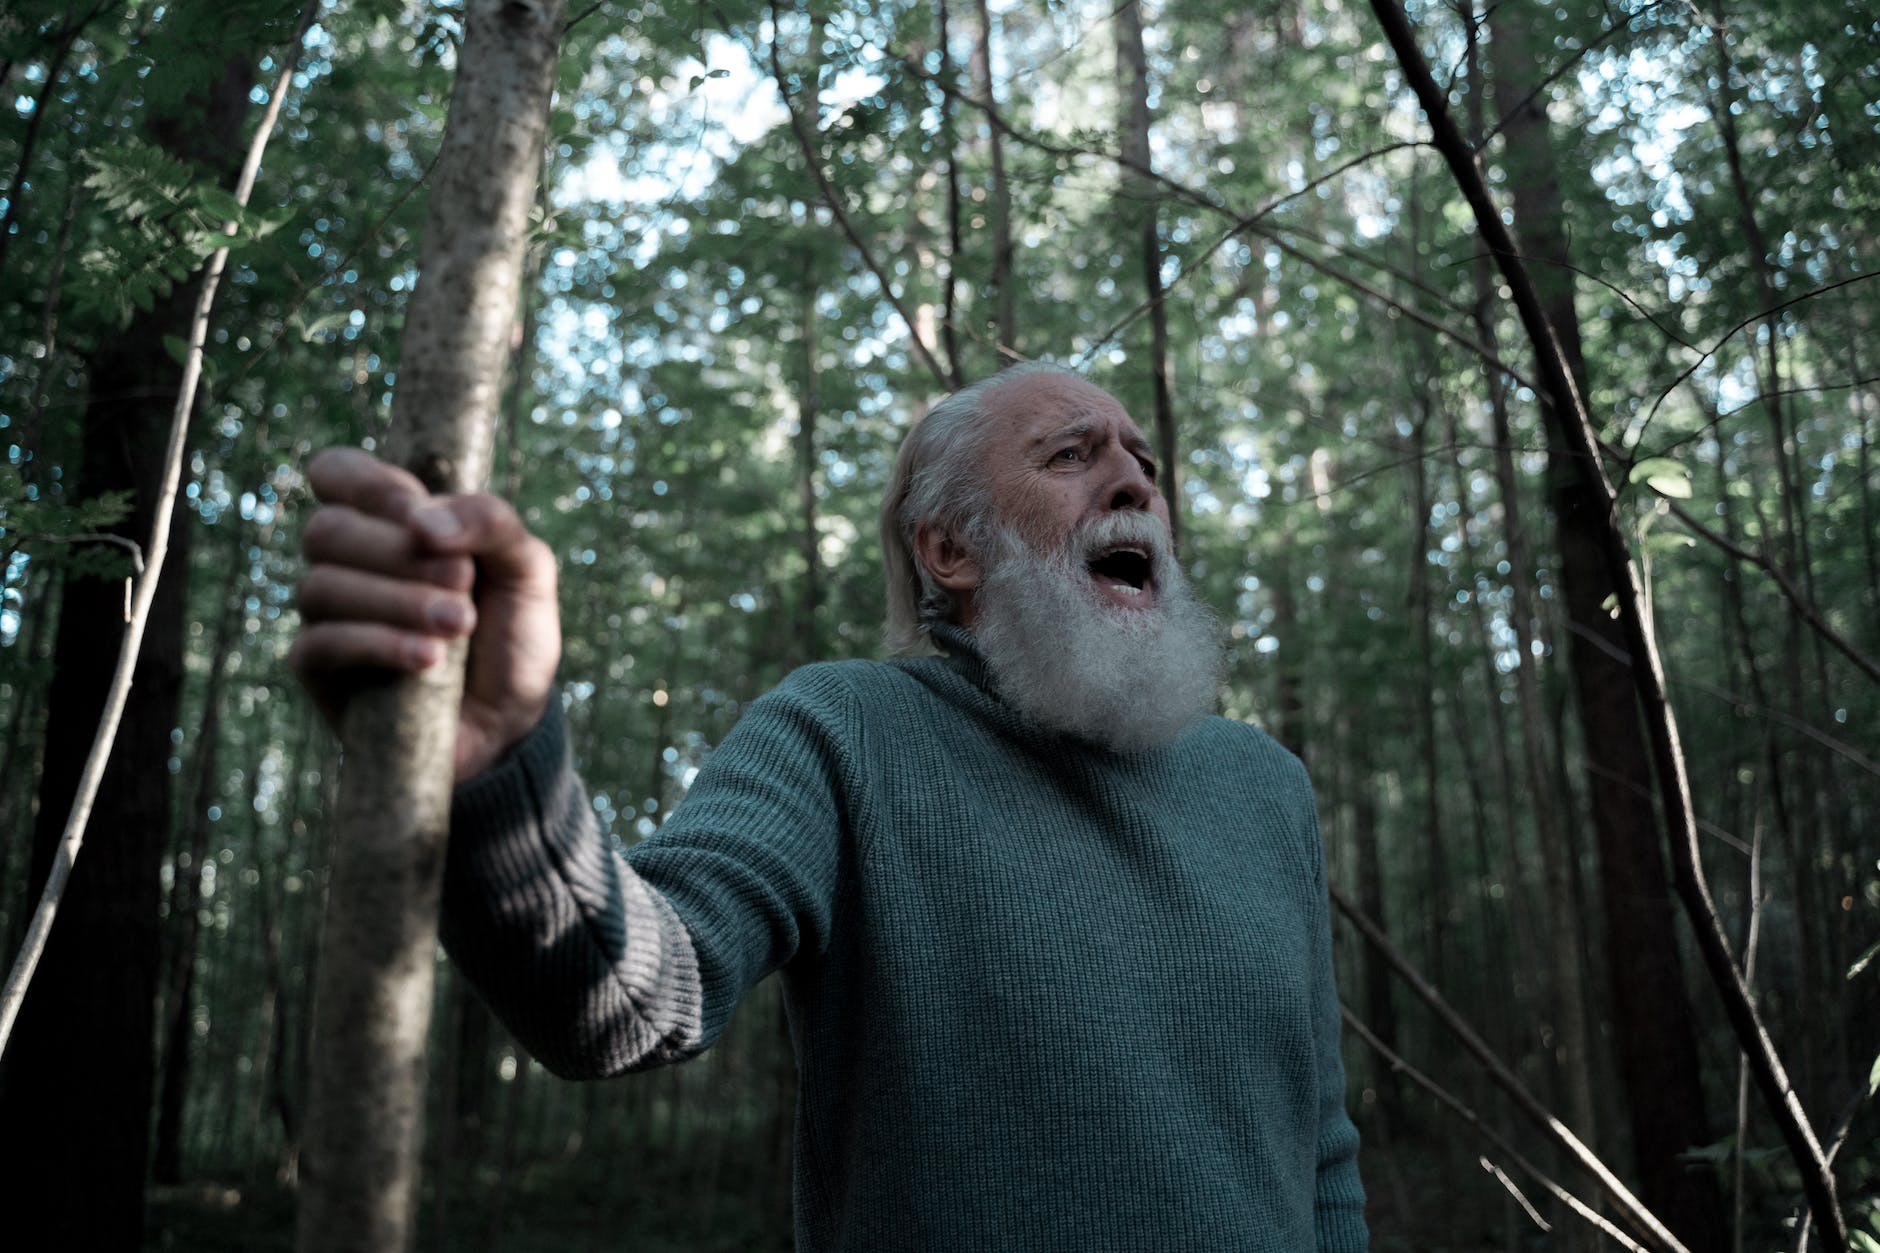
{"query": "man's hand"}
(390, 571)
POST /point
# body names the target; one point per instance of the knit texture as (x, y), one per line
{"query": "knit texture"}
(1043, 996)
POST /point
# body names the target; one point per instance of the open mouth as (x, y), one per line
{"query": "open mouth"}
(1124, 569)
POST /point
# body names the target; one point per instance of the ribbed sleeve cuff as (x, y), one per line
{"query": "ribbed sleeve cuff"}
(583, 961)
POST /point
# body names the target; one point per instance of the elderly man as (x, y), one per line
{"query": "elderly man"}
(1054, 940)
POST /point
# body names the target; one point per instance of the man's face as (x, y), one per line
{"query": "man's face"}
(1061, 453)
(1084, 618)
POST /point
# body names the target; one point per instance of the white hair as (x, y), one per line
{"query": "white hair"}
(1125, 680)
(938, 479)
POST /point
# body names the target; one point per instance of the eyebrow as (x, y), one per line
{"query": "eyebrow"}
(1077, 430)
(1134, 440)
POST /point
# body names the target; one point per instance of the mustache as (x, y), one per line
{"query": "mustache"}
(1090, 540)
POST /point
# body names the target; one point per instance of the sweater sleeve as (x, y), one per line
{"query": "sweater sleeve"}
(1338, 1203)
(753, 860)
(602, 962)
(587, 965)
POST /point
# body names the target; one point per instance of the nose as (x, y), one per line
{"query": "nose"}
(1131, 487)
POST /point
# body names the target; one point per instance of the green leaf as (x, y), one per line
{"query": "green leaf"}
(1664, 476)
(219, 201)
(177, 347)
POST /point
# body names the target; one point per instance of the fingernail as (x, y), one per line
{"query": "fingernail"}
(423, 652)
(449, 615)
(438, 523)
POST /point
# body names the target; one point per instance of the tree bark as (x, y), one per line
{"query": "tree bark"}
(1656, 1041)
(1595, 522)
(78, 1078)
(1137, 198)
(186, 908)
(373, 1004)
(999, 283)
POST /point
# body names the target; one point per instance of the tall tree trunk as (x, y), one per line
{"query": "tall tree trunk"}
(186, 906)
(808, 644)
(359, 1177)
(78, 1078)
(999, 282)
(1572, 1051)
(1137, 199)
(950, 147)
(1654, 1024)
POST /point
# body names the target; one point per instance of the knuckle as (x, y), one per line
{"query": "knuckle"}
(327, 529)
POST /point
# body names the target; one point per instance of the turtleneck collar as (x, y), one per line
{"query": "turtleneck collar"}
(961, 650)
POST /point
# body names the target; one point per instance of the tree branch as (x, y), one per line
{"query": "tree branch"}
(14, 994)
(1455, 1106)
(1790, 592)
(834, 202)
(1658, 1236)
(1567, 409)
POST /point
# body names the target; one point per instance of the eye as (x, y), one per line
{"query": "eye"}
(1068, 454)
(1148, 468)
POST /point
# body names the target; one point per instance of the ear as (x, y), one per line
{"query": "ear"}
(946, 560)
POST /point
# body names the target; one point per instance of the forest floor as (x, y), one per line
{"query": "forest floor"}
(1427, 1194)
(1422, 1200)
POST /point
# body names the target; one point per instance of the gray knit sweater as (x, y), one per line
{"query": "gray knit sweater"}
(1043, 996)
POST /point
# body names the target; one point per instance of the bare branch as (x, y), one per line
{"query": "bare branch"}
(1814, 733)
(1727, 336)
(1566, 409)
(1659, 1237)
(1793, 594)
(1455, 1106)
(14, 994)
(834, 201)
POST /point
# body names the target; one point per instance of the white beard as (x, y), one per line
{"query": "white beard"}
(1123, 679)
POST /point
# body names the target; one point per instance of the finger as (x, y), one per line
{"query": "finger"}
(488, 528)
(330, 650)
(351, 476)
(341, 535)
(339, 593)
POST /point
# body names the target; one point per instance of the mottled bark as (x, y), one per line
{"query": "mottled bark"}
(373, 1004)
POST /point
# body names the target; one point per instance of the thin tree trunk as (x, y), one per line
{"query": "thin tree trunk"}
(359, 1177)
(19, 770)
(1138, 197)
(77, 1142)
(808, 644)
(1435, 893)
(1587, 500)
(1379, 1010)
(999, 282)
(950, 148)
(186, 906)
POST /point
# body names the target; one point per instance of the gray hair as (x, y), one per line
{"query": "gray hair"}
(938, 479)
